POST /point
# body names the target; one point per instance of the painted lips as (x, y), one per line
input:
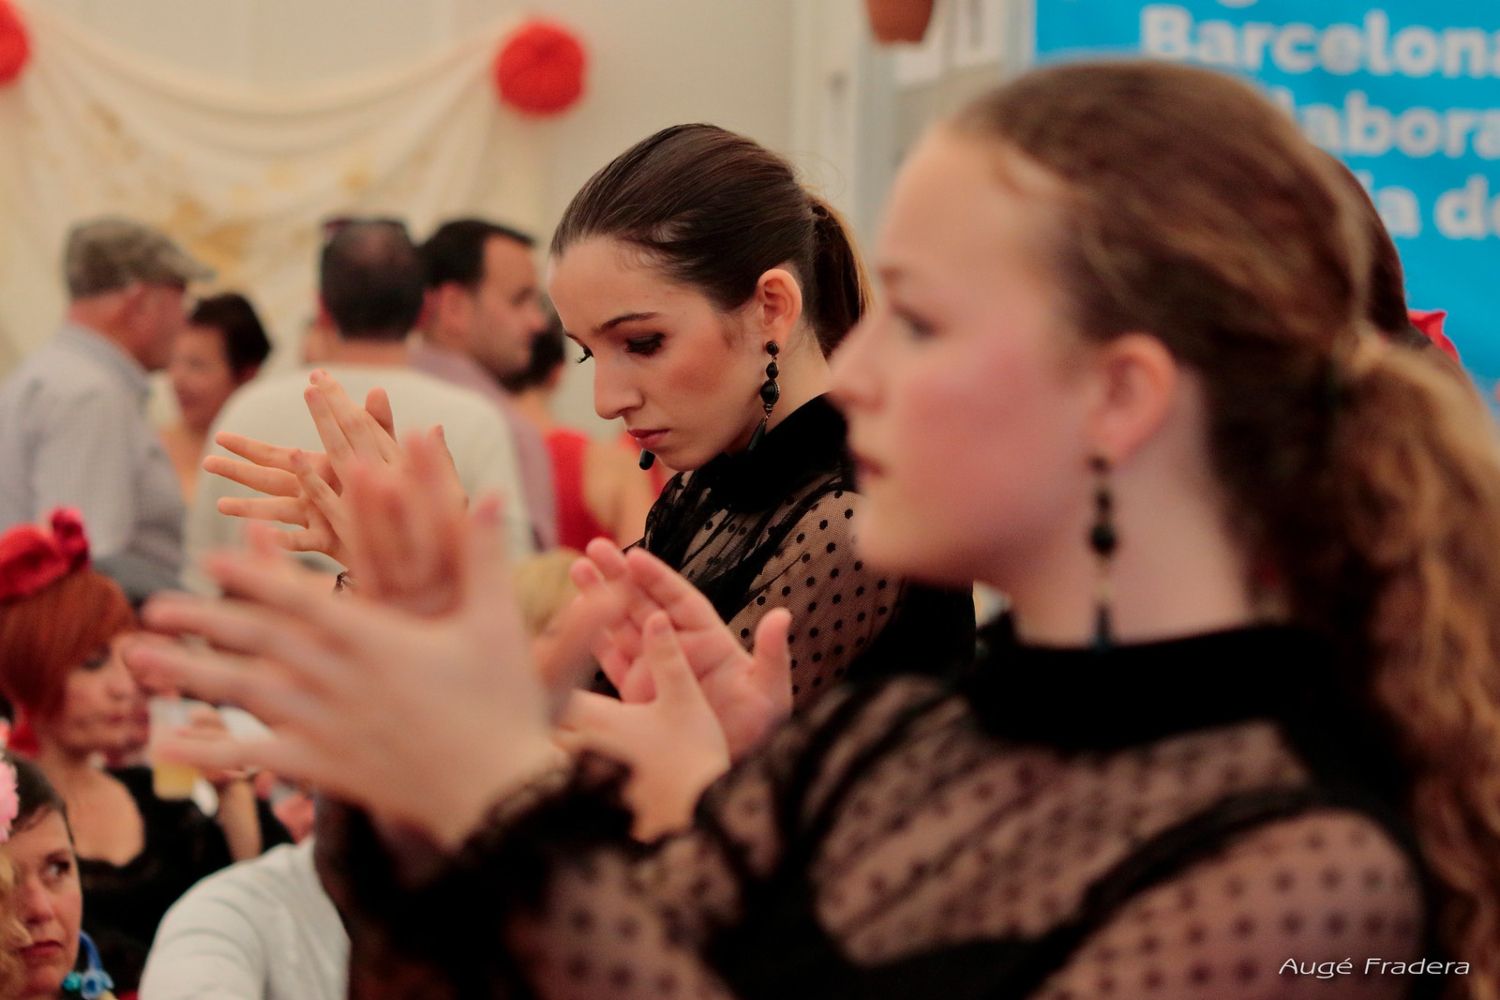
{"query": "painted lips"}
(649, 439)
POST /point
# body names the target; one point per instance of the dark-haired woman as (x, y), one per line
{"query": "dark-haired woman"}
(707, 288)
(221, 348)
(600, 491)
(56, 958)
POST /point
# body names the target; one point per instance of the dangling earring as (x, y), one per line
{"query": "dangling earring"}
(770, 392)
(648, 459)
(1103, 540)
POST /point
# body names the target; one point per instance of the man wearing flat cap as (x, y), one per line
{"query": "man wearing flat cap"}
(73, 427)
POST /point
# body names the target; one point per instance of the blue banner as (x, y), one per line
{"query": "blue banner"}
(1407, 92)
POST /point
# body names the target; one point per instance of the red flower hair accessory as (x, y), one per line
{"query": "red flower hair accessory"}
(32, 557)
(1430, 323)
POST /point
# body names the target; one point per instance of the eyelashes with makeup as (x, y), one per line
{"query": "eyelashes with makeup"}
(644, 346)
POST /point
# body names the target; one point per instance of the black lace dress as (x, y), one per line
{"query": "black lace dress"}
(1170, 821)
(775, 528)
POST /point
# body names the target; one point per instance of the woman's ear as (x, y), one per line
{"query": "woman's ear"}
(776, 308)
(1137, 381)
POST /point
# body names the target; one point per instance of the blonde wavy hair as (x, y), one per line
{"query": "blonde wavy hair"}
(1364, 478)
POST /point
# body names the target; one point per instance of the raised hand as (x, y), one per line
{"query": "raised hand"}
(288, 477)
(302, 488)
(305, 489)
(423, 719)
(673, 744)
(750, 693)
(349, 432)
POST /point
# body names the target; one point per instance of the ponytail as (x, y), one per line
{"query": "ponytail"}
(715, 211)
(1415, 481)
(840, 285)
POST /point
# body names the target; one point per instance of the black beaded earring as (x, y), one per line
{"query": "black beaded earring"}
(1103, 541)
(770, 392)
(648, 459)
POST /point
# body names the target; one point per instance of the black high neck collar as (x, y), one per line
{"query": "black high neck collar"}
(808, 442)
(1082, 699)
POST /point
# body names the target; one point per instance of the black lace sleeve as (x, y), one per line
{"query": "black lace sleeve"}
(558, 901)
(775, 527)
(885, 844)
(849, 619)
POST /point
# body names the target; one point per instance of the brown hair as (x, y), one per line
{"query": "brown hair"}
(46, 636)
(1365, 479)
(1386, 296)
(716, 210)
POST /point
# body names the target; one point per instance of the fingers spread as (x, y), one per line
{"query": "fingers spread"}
(335, 441)
(237, 627)
(378, 405)
(285, 510)
(316, 489)
(595, 722)
(683, 602)
(565, 653)
(669, 668)
(606, 557)
(221, 679)
(262, 479)
(771, 666)
(288, 756)
(362, 431)
(258, 452)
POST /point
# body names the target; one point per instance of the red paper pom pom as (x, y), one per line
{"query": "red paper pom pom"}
(540, 68)
(15, 49)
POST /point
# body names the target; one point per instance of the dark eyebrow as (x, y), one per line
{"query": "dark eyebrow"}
(624, 318)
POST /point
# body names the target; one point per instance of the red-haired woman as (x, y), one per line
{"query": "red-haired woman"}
(62, 626)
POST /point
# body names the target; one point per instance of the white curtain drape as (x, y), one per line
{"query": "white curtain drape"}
(241, 177)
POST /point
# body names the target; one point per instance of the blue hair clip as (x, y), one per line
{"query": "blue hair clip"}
(93, 981)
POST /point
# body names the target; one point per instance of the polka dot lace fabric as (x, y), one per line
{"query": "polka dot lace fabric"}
(839, 604)
(776, 528)
(900, 840)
